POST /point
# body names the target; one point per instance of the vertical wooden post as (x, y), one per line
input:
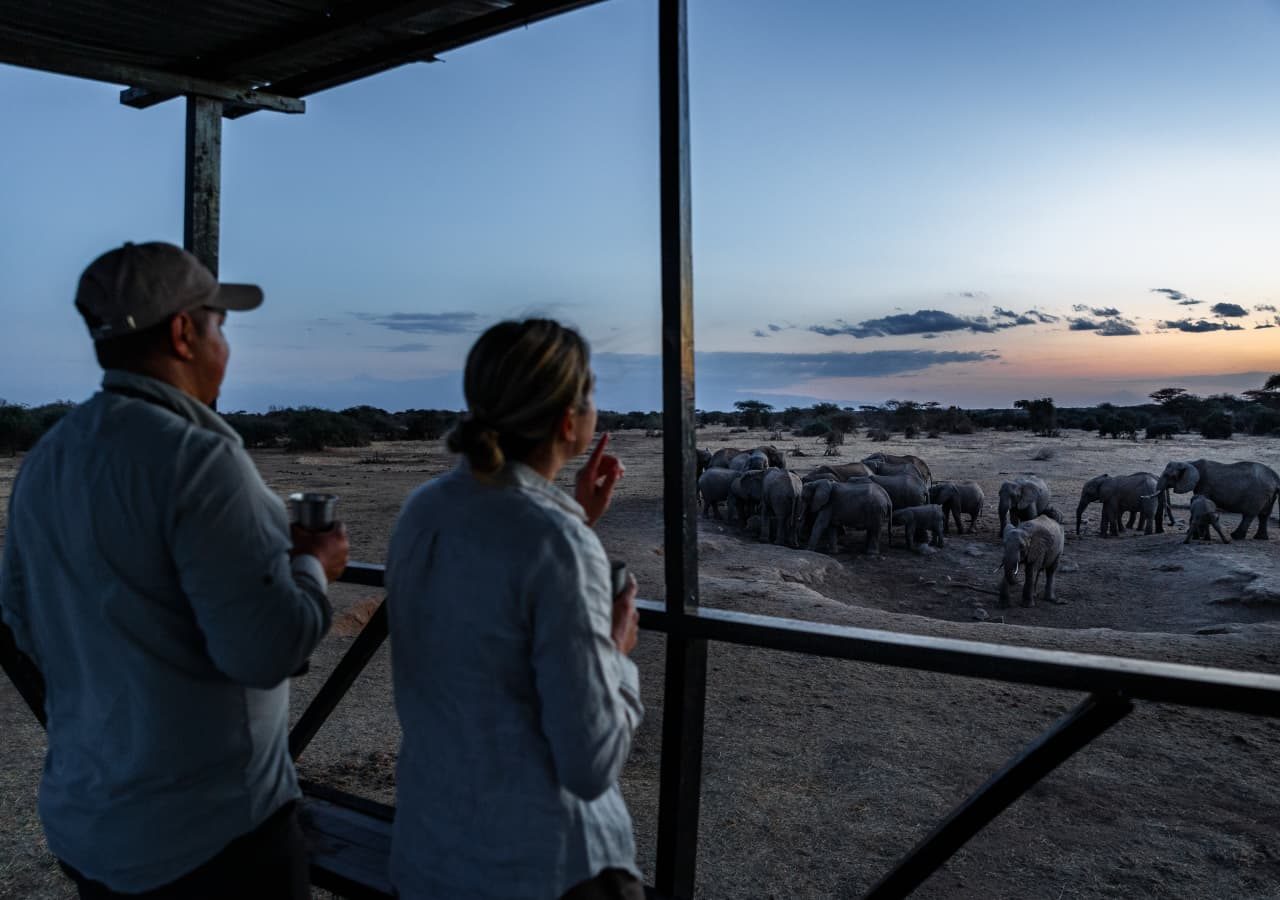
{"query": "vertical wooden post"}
(203, 190)
(686, 667)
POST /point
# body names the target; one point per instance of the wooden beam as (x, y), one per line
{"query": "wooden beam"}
(416, 49)
(237, 96)
(202, 205)
(327, 28)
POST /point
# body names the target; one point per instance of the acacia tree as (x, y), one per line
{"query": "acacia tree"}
(1042, 415)
(754, 412)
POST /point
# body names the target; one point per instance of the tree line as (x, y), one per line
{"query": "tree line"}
(1172, 411)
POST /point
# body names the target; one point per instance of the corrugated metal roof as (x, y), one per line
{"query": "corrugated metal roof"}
(286, 47)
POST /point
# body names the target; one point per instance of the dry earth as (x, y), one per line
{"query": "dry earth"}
(818, 774)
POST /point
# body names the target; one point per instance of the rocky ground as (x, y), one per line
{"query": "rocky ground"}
(818, 774)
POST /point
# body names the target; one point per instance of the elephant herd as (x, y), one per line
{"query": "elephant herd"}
(884, 491)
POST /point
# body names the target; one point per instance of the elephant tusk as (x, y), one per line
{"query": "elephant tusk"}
(999, 566)
(1017, 568)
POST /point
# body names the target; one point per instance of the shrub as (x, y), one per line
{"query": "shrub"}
(257, 431)
(910, 432)
(816, 428)
(878, 434)
(1218, 426)
(316, 429)
(17, 428)
(1044, 453)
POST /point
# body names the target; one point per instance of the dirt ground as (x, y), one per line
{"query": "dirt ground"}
(819, 774)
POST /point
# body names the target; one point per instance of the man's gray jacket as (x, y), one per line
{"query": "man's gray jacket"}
(147, 574)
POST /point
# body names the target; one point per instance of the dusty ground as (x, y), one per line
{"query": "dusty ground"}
(819, 774)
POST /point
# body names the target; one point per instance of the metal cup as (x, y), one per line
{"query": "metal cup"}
(618, 570)
(314, 512)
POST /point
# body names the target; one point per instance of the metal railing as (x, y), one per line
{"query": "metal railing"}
(1111, 684)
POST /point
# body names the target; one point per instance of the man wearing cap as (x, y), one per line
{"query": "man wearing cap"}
(153, 579)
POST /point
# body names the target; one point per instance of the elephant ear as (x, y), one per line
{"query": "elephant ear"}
(1008, 529)
(821, 494)
(1188, 476)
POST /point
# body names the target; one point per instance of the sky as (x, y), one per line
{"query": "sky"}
(969, 203)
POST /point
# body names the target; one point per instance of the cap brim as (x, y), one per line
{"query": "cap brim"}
(240, 297)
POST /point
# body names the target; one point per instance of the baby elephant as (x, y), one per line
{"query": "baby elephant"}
(921, 523)
(1037, 544)
(1204, 513)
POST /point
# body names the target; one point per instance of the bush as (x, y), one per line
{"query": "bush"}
(816, 428)
(878, 434)
(316, 429)
(257, 431)
(910, 432)
(1218, 427)
(1044, 453)
(17, 428)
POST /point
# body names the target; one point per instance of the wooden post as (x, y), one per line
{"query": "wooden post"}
(203, 190)
(684, 701)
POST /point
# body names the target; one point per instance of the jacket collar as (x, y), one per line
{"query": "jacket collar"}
(518, 474)
(161, 393)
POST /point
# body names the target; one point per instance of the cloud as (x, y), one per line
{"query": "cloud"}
(1189, 302)
(1110, 327)
(974, 295)
(1264, 307)
(759, 333)
(423, 323)
(1043, 317)
(1104, 311)
(1232, 310)
(773, 327)
(1199, 327)
(924, 321)
(1006, 313)
(1117, 328)
(403, 348)
(1264, 325)
(1171, 294)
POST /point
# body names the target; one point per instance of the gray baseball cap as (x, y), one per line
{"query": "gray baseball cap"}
(136, 286)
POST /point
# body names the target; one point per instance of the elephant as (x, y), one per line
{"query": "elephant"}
(1248, 488)
(713, 488)
(920, 522)
(1120, 494)
(739, 462)
(757, 459)
(780, 492)
(745, 492)
(905, 490)
(830, 505)
(842, 472)
(720, 459)
(1023, 498)
(878, 461)
(704, 460)
(1037, 543)
(1203, 515)
(775, 457)
(956, 497)
(819, 475)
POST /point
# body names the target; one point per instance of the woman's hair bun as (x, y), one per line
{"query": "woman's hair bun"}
(478, 442)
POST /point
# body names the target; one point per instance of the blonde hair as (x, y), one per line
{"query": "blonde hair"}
(520, 378)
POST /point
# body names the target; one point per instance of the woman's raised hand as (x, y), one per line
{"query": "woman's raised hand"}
(596, 480)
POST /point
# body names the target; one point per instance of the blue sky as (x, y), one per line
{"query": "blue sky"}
(963, 202)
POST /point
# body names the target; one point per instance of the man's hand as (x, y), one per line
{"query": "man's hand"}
(626, 620)
(596, 480)
(330, 547)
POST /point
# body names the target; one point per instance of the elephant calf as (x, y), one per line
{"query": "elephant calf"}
(1133, 494)
(955, 498)
(780, 492)
(920, 523)
(1037, 544)
(830, 506)
(1022, 499)
(1204, 513)
(713, 488)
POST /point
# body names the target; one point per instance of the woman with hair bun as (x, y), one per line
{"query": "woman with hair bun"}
(510, 664)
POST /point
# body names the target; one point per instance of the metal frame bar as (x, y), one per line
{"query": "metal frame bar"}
(1072, 732)
(685, 678)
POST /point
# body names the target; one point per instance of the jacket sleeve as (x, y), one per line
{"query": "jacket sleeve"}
(13, 597)
(261, 613)
(589, 691)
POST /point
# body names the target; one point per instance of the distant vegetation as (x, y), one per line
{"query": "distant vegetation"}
(1173, 411)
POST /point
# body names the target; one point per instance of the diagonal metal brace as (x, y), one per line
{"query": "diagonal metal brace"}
(1070, 733)
(349, 667)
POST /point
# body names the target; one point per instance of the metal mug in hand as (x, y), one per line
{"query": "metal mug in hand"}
(618, 570)
(314, 512)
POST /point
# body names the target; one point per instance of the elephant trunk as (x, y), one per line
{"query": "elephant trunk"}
(1084, 503)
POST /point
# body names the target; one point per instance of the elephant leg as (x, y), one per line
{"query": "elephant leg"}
(1133, 513)
(1003, 602)
(1242, 530)
(973, 522)
(1050, 579)
(1028, 586)
(1190, 531)
(1261, 533)
(1218, 528)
